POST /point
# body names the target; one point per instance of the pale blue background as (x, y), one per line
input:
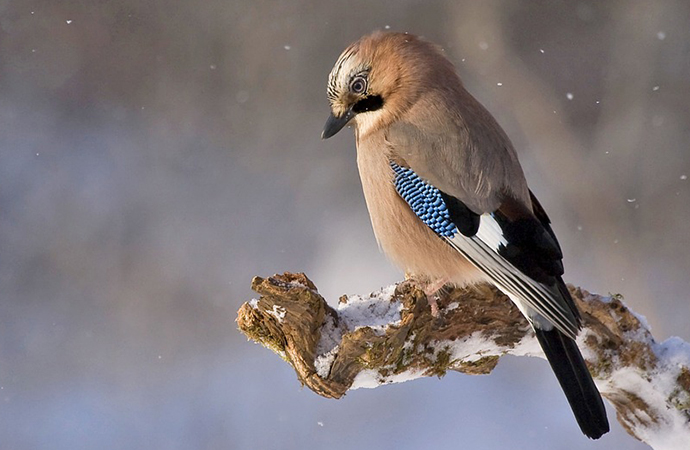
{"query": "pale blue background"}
(154, 156)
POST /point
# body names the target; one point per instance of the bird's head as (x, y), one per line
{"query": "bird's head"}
(377, 78)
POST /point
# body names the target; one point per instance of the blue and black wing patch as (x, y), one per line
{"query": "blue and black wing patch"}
(515, 249)
(444, 214)
(425, 200)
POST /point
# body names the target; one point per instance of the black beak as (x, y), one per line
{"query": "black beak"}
(335, 124)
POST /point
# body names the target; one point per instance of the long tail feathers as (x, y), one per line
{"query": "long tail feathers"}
(575, 380)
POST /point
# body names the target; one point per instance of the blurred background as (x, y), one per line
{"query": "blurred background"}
(154, 156)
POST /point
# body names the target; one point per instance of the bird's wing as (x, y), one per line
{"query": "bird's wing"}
(513, 247)
(455, 144)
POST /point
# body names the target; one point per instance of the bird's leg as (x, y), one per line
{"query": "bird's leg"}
(433, 290)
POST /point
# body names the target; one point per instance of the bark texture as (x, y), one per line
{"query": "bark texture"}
(392, 336)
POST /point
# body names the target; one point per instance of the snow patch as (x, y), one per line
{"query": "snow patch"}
(452, 306)
(528, 346)
(470, 349)
(369, 379)
(278, 312)
(327, 348)
(324, 362)
(376, 311)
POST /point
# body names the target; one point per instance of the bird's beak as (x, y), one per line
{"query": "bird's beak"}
(335, 124)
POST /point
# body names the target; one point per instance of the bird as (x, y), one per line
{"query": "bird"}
(447, 196)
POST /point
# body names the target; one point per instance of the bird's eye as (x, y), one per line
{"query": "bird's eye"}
(358, 85)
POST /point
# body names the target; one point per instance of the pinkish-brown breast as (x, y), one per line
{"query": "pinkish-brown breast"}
(403, 237)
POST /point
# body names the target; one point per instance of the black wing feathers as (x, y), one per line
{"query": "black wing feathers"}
(464, 218)
(532, 247)
(540, 214)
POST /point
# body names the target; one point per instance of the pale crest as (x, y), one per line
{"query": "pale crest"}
(345, 67)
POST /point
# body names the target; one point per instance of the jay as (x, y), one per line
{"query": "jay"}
(448, 199)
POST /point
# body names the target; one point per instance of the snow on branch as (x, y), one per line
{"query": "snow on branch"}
(390, 336)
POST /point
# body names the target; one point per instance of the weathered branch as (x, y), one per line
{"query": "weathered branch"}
(391, 336)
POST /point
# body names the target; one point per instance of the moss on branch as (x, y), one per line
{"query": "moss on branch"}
(392, 336)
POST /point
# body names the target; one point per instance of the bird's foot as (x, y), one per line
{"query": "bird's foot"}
(434, 290)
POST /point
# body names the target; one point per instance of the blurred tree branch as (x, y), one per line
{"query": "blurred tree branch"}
(361, 344)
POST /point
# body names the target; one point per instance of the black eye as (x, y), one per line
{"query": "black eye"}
(358, 85)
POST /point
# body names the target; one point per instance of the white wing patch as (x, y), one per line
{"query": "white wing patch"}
(490, 232)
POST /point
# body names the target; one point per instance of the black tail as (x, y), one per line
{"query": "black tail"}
(575, 380)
